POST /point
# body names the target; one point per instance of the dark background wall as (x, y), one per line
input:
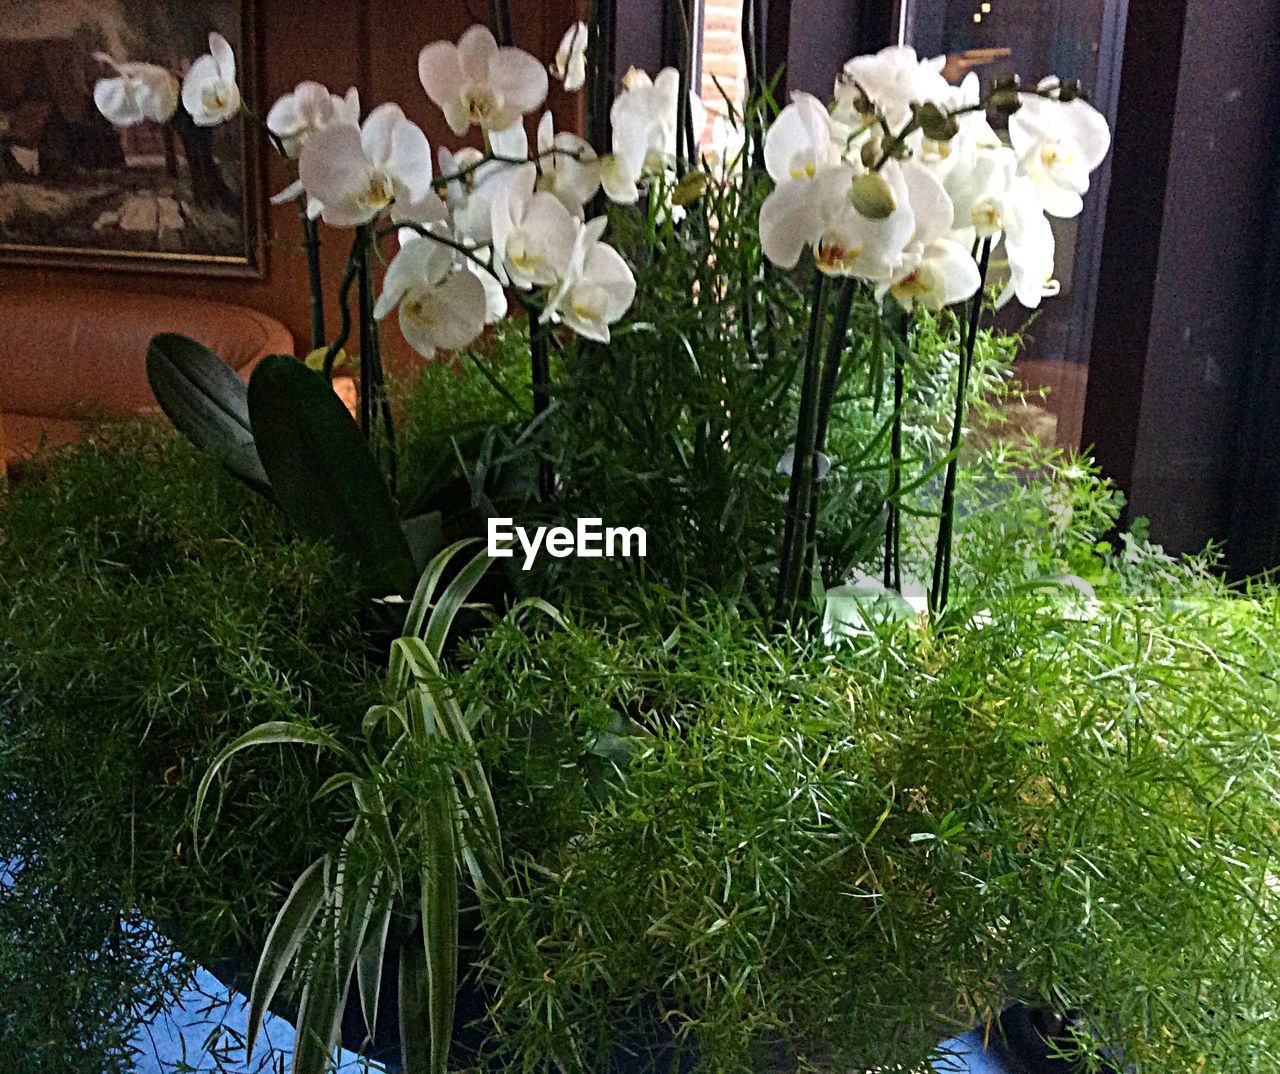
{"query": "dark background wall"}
(1182, 284)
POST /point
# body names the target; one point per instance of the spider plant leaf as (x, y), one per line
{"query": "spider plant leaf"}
(426, 588)
(455, 595)
(277, 732)
(320, 1017)
(369, 963)
(415, 1028)
(284, 939)
(479, 815)
(440, 924)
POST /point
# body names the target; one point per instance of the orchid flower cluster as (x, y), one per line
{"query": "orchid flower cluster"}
(509, 216)
(900, 185)
(902, 179)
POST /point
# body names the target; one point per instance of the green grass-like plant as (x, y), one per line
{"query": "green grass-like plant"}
(832, 857)
(153, 609)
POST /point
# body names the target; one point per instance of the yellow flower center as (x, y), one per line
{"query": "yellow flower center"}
(803, 169)
(987, 218)
(377, 194)
(834, 258)
(481, 103)
(585, 311)
(418, 311)
(1055, 155)
(936, 151)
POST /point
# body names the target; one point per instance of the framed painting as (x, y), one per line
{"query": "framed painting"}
(77, 191)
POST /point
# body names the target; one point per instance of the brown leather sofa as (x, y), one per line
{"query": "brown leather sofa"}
(72, 358)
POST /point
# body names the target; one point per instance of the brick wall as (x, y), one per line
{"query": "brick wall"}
(722, 59)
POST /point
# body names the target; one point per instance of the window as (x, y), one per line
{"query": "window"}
(1075, 39)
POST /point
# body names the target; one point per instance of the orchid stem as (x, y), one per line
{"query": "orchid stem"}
(893, 513)
(540, 382)
(826, 400)
(752, 39)
(800, 491)
(374, 403)
(939, 591)
(311, 243)
(686, 142)
(349, 273)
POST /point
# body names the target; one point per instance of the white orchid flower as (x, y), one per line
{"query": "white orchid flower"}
(974, 131)
(851, 243)
(357, 173)
(209, 92)
(139, 91)
(846, 241)
(473, 212)
(891, 80)
(979, 186)
(622, 170)
(570, 66)
(460, 169)
(567, 165)
(800, 142)
(1059, 143)
(533, 233)
(494, 295)
(475, 81)
(598, 286)
(936, 271)
(935, 276)
(1029, 246)
(797, 149)
(442, 306)
(310, 108)
(645, 119)
(512, 143)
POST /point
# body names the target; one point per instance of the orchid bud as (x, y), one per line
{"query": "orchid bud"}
(635, 79)
(937, 125)
(855, 96)
(690, 188)
(1005, 102)
(872, 196)
(1070, 90)
(1005, 97)
(870, 153)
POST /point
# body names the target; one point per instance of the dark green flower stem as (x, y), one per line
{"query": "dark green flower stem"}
(540, 383)
(349, 272)
(939, 591)
(753, 52)
(500, 22)
(374, 403)
(599, 85)
(836, 344)
(686, 138)
(311, 243)
(899, 329)
(803, 461)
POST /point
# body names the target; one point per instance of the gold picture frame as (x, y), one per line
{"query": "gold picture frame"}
(76, 192)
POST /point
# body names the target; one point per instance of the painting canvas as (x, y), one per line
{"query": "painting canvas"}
(76, 190)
